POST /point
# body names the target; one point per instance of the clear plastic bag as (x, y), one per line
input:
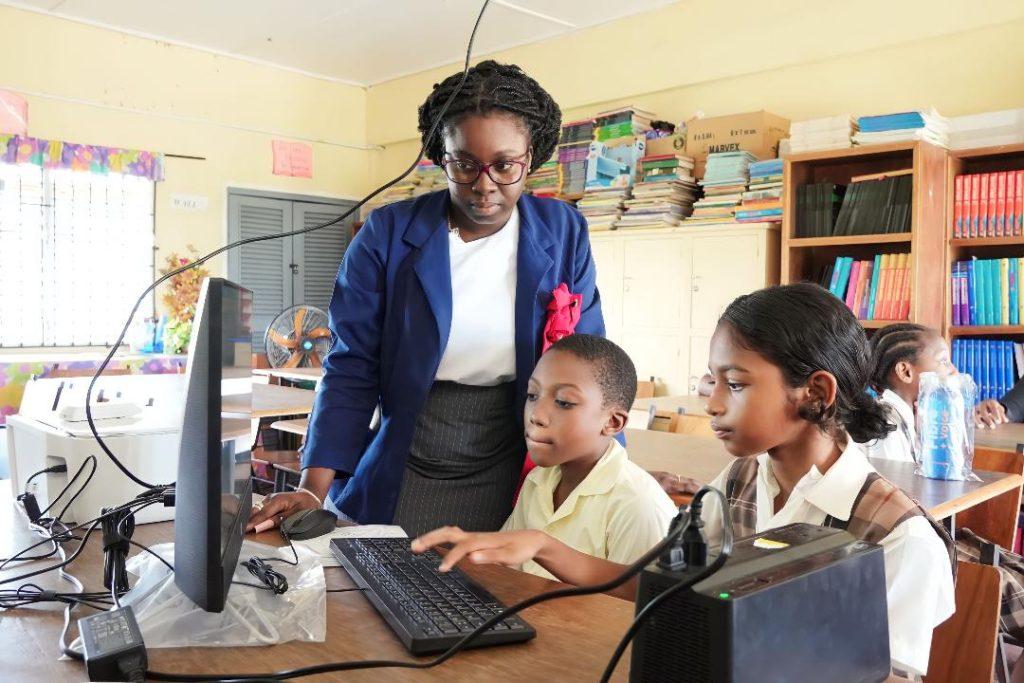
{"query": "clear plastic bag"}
(251, 616)
(945, 426)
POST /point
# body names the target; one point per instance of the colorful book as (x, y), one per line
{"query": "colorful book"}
(865, 297)
(905, 290)
(954, 287)
(876, 276)
(975, 202)
(1004, 291)
(1014, 292)
(958, 206)
(851, 289)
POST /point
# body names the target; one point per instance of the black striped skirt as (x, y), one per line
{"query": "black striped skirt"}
(465, 460)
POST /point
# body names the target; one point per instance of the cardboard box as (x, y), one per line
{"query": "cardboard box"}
(756, 132)
(671, 144)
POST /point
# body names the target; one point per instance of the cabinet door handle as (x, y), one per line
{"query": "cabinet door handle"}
(695, 283)
(625, 283)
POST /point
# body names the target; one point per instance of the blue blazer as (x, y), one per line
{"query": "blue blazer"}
(390, 316)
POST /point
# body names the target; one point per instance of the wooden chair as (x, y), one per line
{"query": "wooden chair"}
(964, 646)
(645, 388)
(694, 425)
(282, 464)
(996, 520)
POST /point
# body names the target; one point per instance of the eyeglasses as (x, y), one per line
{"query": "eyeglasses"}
(466, 171)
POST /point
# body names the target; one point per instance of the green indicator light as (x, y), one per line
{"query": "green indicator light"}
(724, 596)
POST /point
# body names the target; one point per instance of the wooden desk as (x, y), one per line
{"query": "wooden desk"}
(291, 374)
(574, 637)
(298, 426)
(1008, 437)
(270, 400)
(704, 459)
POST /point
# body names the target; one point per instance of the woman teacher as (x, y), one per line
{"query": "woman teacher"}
(437, 318)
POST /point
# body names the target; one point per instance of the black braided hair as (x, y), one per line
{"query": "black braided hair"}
(492, 86)
(902, 342)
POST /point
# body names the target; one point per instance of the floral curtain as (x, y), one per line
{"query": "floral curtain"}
(17, 149)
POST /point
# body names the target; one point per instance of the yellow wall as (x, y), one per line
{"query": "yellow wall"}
(796, 58)
(793, 57)
(59, 57)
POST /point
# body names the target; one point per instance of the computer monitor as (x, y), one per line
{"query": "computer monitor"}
(213, 494)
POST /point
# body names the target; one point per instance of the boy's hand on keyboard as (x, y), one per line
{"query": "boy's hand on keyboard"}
(510, 548)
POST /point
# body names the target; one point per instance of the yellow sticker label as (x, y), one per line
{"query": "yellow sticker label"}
(769, 544)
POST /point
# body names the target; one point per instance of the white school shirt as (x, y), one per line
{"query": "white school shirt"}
(618, 512)
(918, 577)
(481, 348)
(899, 444)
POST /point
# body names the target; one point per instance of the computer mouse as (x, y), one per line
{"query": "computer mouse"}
(306, 524)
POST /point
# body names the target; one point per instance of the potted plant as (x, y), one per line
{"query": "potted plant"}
(180, 298)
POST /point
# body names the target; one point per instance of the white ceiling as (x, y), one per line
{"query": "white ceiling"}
(356, 41)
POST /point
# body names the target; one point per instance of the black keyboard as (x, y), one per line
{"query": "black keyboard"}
(428, 610)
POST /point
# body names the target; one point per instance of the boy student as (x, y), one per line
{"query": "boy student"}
(790, 369)
(584, 491)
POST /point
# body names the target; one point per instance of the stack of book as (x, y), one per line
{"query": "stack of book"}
(873, 290)
(622, 125)
(925, 125)
(664, 197)
(987, 130)
(988, 292)
(989, 204)
(876, 204)
(725, 181)
(817, 207)
(815, 135)
(762, 202)
(573, 147)
(431, 176)
(602, 206)
(544, 181)
(995, 365)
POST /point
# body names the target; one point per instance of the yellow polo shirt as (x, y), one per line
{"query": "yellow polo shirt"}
(618, 512)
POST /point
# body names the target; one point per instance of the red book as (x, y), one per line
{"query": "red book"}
(905, 293)
(1018, 206)
(958, 207)
(973, 214)
(1001, 204)
(983, 212)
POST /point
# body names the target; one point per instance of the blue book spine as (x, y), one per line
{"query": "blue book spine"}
(875, 272)
(835, 275)
(983, 293)
(994, 291)
(1008, 369)
(1014, 293)
(972, 292)
(954, 287)
(844, 277)
(987, 367)
(999, 350)
(979, 365)
(956, 355)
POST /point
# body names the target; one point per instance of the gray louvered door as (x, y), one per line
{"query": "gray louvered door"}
(284, 272)
(321, 252)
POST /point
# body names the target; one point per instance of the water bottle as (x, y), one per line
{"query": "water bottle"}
(945, 426)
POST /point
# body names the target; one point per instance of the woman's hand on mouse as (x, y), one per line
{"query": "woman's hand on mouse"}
(510, 548)
(281, 505)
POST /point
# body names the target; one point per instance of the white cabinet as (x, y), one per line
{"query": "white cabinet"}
(663, 291)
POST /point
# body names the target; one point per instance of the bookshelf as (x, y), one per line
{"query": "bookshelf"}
(970, 161)
(803, 258)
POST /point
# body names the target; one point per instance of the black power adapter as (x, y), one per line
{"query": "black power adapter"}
(112, 646)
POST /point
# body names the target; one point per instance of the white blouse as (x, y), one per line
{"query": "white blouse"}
(481, 348)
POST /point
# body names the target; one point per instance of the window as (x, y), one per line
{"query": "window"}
(76, 250)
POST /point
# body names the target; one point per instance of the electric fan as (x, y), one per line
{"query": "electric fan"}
(298, 338)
